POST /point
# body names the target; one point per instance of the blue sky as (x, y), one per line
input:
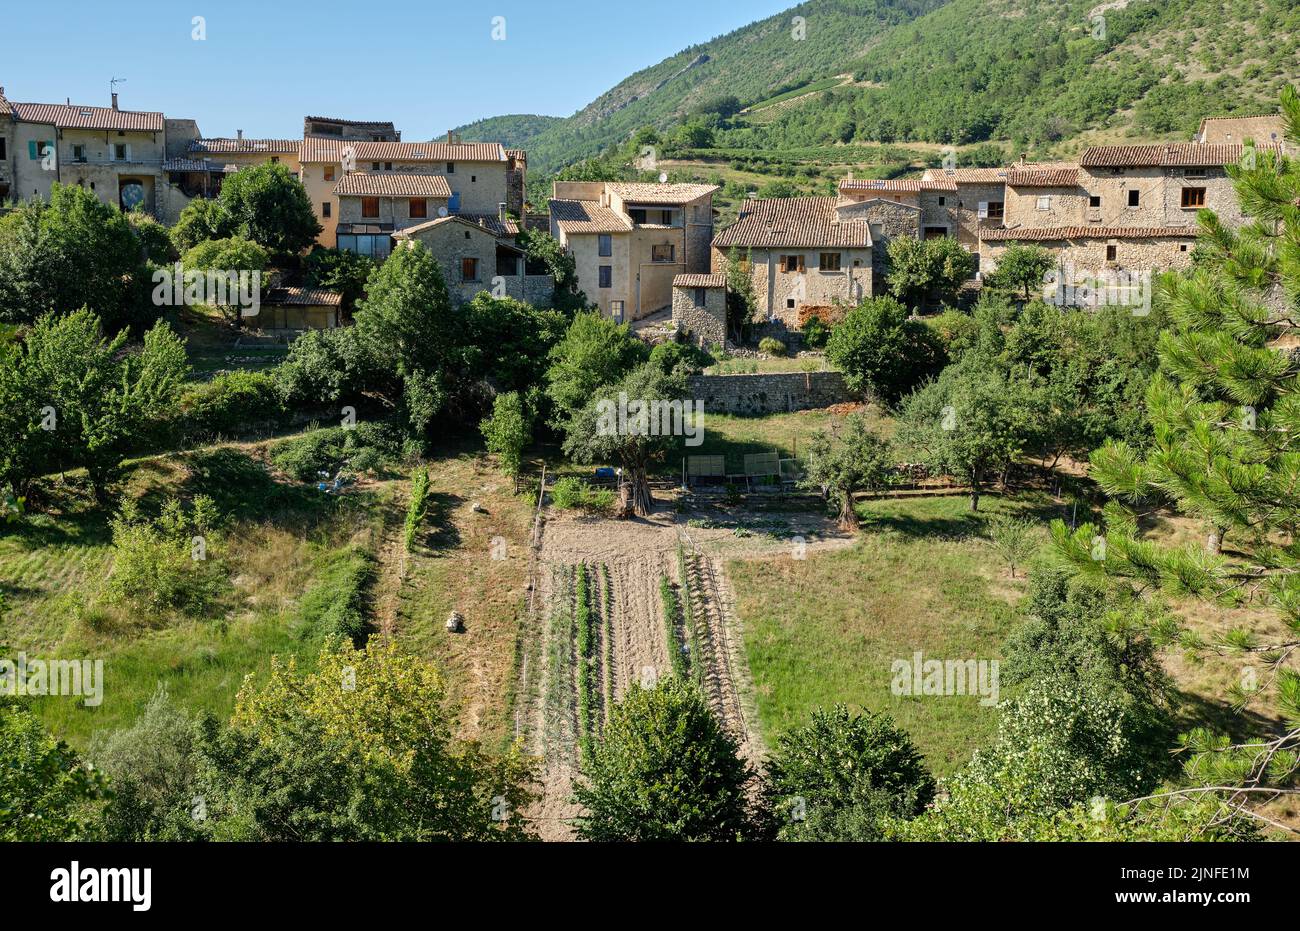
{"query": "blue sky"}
(426, 65)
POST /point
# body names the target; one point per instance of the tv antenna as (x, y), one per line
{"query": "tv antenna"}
(113, 82)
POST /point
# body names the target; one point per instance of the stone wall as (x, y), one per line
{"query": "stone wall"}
(774, 393)
(707, 325)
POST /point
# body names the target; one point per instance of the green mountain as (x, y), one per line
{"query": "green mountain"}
(1048, 75)
(751, 63)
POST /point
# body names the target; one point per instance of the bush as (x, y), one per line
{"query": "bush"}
(956, 331)
(155, 565)
(415, 510)
(572, 493)
(815, 333)
(367, 446)
(231, 404)
(771, 346)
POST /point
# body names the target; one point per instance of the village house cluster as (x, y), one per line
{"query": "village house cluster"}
(641, 249)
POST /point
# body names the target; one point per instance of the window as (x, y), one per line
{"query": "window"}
(1044, 202)
(637, 214)
(1182, 247)
(935, 232)
(1196, 173)
(78, 153)
(1112, 252)
(329, 172)
(370, 207)
(374, 166)
(469, 269)
(829, 261)
(701, 297)
(1193, 197)
(606, 244)
(995, 210)
(473, 179)
(1094, 200)
(662, 253)
(325, 209)
(789, 303)
(419, 208)
(943, 201)
(36, 149)
(121, 152)
(275, 159)
(792, 263)
(451, 168)
(616, 310)
(2, 149)
(606, 276)
(1134, 197)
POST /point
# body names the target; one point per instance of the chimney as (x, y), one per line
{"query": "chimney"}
(450, 138)
(114, 100)
(1024, 158)
(239, 134)
(501, 213)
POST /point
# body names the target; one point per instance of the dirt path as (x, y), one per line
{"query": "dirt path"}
(636, 555)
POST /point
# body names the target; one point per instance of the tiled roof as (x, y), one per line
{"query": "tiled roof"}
(898, 186)
(793, 222)
(74, 117)
(371, 125)
(1164, 155)
(1043, 177)
(969, 175)
(661, 193)
(316, 149)
(700, 281)
(490, 225)
(392, 184)
(493, 224)
(250, 146)
(587, 216)
(1057, 233)
(303, 296)
(191, 164)
(518, 154)
(5, 108)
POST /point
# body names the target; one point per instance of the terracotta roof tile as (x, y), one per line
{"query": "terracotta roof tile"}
(1058, 233)
(303, 296)
(249, 146)
(1033, 176)
(793, 222)
(662, 193)
(700, 281)
(75, 117)
(191, 164)
(392, 184)
(318, 149)
(5, 108)
(587, 216)
(899, 186)
(968, 175)
(1174, 154)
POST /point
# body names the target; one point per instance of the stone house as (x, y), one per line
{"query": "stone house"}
(8, 151)
(118, 154)
(629, 241)
(374, 205)
(355, 130)
(1261, 129)
(700, 308)
(814, 251)
(479, 176)
(480, 254)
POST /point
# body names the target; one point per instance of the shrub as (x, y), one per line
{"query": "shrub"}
(231, 404)
(368, 445)
(571, 493)
(415, 511)
(771, 346)
(815, 333)
(155, 565)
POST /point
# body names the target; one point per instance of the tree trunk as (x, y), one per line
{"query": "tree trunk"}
(637, 491)
(1214, 543)
(848, 516)
(974, 497)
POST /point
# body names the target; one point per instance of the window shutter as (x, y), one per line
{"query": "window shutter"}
(801, 266)
(32, 151)
(983, 212)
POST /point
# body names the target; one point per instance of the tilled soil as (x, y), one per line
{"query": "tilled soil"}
(638, 554)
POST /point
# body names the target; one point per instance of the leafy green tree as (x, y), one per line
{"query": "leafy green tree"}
(664, 769)
(1014, 539)
(339, 270)
(46, 792)
(919, 268)
(968, 423)
(741, 301)
(201, 220)
(595, 352)
(850, 460)
(154, 238)
(74, 251)
(509, 341)
(507, 431)
(882, 350)
(267, 204)
(833, 778)
(360, 748)
(224, 256)
(1021, 269)
(407, 319)
(597, 433)
(542, 250)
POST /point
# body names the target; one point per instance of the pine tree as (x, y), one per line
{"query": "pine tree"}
(1225, 408)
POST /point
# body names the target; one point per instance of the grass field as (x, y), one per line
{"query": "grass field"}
(827, 629)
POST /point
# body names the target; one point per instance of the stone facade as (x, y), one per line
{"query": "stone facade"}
(473, 259)
(700, 309)
(774, 393)
(394, 212)
(786, 280)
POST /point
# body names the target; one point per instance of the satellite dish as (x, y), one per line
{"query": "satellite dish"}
(663, 177)
(442, 211)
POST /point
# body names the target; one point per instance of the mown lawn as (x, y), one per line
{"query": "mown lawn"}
(922, 577)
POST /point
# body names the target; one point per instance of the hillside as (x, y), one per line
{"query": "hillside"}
(754, 62)
(1042, 74)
